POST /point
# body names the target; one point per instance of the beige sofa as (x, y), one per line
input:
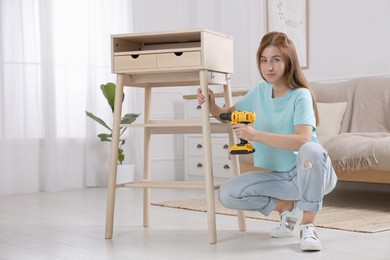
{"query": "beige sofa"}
(354, 128)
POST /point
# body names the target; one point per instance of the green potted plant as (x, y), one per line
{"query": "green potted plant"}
(108, 91)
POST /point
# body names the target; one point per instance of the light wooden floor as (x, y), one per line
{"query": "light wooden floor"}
(70, 225)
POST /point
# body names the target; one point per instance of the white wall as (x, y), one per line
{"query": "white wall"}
(346, 39)
(240, 19)
(349, 38)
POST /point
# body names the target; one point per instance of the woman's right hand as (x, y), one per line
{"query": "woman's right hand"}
(201, 97)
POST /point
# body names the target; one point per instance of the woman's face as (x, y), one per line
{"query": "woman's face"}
(272, 65)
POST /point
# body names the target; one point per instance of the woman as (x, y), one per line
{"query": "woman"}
(284, 138)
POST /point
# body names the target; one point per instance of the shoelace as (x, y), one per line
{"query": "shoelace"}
(309, 232)
(283, 220)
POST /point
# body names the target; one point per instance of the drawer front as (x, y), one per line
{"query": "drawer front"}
(133, 62)
(178, 59)
(221, 168)
(220, 147)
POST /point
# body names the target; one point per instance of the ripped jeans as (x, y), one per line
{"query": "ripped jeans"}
(311, 179)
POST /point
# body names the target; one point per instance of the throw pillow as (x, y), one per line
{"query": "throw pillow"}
(331, 117)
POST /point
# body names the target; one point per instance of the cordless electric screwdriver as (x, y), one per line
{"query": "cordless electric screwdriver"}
(237, 117)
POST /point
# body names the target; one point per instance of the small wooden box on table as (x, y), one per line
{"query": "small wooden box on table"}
(167, 59)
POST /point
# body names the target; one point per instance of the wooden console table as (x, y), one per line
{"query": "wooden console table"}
(168, 59)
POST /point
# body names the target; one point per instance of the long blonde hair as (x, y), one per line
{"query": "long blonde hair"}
(293, 73)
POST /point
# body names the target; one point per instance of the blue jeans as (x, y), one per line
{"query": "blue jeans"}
(311, 179)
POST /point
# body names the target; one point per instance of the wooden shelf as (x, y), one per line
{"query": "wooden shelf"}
(167, 184)
(171, 78)
(217, 95)
(156, 51)
(180, 126)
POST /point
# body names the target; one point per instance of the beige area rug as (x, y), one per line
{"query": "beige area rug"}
(358, 211)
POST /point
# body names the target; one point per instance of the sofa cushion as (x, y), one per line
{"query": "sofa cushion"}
(337, 91)
(371, 106)
(368, 102)
(359, 151)
(333, 91)
(331, 116)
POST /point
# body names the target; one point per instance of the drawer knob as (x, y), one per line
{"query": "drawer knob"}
(198, 107)
(178, 53)
(226, 166)
(225, 146)
(135, 56)
(199, 165)
(199, 146)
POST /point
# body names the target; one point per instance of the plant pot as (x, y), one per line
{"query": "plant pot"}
(125, 173)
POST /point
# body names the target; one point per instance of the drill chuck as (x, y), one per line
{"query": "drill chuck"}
(225, 116)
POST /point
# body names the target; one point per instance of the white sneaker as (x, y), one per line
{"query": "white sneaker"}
(289, 222)
(309, 238)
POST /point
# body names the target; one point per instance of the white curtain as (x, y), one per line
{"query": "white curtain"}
(54, 54)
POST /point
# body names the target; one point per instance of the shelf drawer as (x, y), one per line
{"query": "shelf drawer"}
(131, 62)
(221, 167)
(178, 59)
(219, 146)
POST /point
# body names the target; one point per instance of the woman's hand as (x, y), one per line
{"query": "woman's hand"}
(215, 110)
(201, 97)
(244, 131)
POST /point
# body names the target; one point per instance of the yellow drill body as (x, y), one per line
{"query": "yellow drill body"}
(243, 117)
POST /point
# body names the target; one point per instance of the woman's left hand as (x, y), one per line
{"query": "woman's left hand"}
(244, 131)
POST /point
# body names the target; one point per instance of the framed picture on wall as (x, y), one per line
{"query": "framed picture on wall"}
(291, 17)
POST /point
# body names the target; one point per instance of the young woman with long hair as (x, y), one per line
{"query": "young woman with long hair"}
(300, 170)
